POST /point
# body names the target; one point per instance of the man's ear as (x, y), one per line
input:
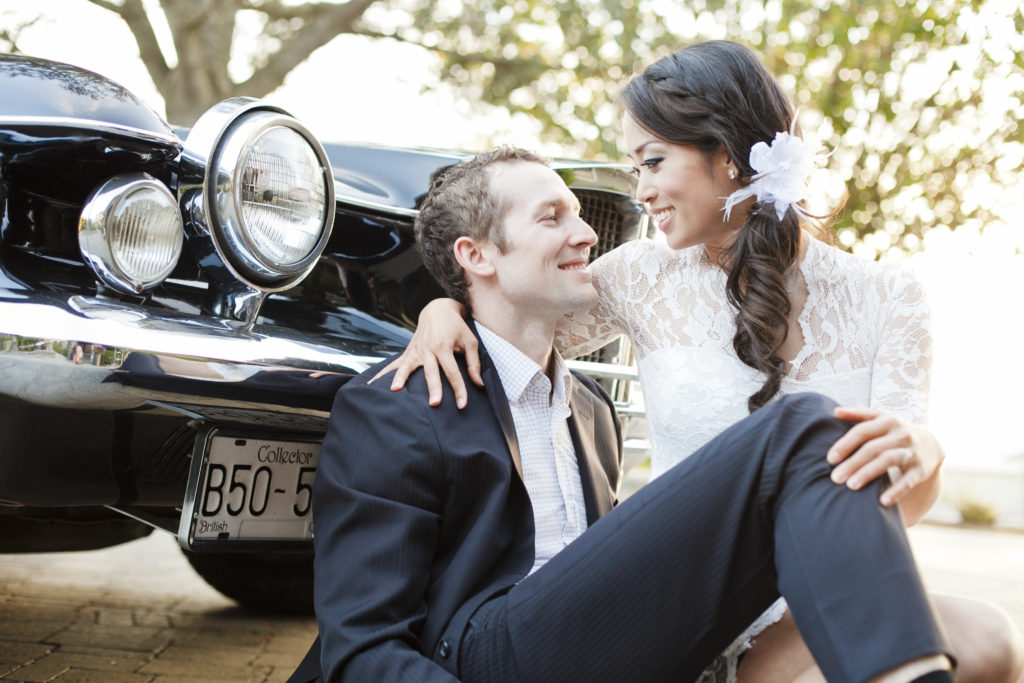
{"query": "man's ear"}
(474, 256)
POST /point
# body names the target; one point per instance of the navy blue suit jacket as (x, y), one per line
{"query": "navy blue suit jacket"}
(421, 515)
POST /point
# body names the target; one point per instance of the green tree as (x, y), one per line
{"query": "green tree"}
(919, 100)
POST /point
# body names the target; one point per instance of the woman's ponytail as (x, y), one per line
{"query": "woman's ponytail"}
(758, 260)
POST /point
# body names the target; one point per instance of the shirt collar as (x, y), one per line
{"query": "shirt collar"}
(517, 370)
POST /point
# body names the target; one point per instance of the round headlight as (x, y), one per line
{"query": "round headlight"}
(281, 193)
(130, 232)
(269, 197)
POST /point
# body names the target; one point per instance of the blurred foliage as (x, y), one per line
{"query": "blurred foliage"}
(919, 101)
(976, 512)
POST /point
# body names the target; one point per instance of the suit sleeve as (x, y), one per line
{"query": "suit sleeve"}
(377, 505)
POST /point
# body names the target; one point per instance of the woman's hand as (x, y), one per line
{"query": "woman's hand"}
(441, 331)
(880, 443)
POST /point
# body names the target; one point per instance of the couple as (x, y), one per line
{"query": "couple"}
(429, 520)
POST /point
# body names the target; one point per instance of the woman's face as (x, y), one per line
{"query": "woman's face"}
(683, 190)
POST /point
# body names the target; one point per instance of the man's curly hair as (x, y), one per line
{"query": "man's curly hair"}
(461, 203)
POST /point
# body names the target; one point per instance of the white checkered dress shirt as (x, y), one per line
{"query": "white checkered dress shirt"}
(545, 446)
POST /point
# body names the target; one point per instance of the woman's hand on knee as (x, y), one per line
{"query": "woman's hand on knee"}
(879, 443)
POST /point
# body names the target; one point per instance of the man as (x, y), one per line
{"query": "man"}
(481, 544)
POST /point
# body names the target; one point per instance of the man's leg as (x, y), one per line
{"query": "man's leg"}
(659, 586)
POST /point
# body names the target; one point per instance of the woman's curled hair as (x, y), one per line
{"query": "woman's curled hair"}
(719, 94)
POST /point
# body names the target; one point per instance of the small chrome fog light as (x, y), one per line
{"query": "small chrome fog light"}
(130, 232)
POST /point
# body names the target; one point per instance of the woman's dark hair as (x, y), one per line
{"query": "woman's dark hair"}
(719, 94)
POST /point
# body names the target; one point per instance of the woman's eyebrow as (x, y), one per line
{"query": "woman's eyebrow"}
(638, 150)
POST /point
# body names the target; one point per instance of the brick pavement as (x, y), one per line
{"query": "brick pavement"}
(137, 613)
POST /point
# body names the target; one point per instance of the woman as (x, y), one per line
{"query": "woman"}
(743, 305)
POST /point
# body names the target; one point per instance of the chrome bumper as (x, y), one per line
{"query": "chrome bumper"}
(84, 352)
(132, 357)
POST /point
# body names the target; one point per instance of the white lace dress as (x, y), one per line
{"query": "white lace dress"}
(865, 327)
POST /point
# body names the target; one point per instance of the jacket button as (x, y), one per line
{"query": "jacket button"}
(444, 650)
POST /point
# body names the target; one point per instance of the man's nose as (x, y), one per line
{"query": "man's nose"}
(584, 234)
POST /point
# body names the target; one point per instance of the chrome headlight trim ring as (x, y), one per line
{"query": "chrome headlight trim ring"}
(102, 226)
(210, 194)
(224, 187)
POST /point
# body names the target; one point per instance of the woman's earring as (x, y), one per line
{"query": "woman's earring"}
(732, 174)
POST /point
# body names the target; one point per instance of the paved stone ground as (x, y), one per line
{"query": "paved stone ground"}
(137, 613)
(134, 613)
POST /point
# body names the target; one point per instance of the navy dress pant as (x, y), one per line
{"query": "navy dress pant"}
(663, 583)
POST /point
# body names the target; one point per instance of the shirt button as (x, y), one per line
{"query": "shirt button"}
(444, 649)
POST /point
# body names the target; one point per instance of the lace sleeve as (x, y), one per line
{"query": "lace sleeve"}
(901, 371)
(582, 332)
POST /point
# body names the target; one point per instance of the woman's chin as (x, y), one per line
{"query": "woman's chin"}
(677, 240)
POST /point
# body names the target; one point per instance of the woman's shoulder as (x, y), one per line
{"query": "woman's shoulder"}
(841, 267)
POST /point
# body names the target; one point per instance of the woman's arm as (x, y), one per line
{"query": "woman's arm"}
(442, 331)
(582, 332)
(890, 435)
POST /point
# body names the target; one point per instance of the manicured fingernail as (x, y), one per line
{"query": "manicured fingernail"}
(832, 457)
(854, 483)
(837, 476)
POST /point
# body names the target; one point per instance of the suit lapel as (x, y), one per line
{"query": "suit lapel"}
(598, 494)
(597, 491)
(499, 403)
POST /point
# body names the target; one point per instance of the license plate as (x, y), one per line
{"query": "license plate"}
(248, 491)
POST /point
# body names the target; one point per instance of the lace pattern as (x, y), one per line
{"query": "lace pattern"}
(865, 327)
(867, 341)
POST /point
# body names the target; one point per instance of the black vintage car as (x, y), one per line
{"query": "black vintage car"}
(178, 308)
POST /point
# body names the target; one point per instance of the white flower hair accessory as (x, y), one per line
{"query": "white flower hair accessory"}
(780, 177)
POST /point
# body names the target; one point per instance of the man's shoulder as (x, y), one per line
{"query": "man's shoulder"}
(368, 384)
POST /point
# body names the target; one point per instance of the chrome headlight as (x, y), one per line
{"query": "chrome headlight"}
(267, 192)
(130, 232)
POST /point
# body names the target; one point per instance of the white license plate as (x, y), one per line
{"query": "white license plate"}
(245, 489)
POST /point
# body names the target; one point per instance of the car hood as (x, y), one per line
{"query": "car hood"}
(38, 91)
(397, 179)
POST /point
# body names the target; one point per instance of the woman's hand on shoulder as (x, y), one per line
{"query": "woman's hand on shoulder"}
(881, 442)
(440, 333)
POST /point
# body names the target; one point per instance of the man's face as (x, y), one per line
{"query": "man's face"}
(543, 268)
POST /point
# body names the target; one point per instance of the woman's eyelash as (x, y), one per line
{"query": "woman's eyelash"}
(648, 164)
